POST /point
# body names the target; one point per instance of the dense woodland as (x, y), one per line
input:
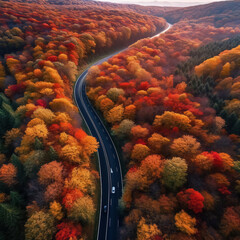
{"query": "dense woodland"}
(171, 104)
(221, 14)
(212, 71)
(49, 182)
(181, 162)
(149, 10)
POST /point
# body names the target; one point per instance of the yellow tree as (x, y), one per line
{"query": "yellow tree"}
(147, 231)
(62, 105)
(186, 146)
(71, 153)
(56, 210)
(62, 117)
(185, 223)
(82, 179)
(52, 75)
(99, 99)
(171, 120)
(90, 145)
(227, 161)
(13, 64)
(39, 130)
(93, 93)
(157, 141)
(139, 152)
(226, 69)
(209, 67)
(45, 114)
(115, 114)
(63, 58)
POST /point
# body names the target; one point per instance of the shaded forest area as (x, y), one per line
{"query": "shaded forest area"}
(213, 72)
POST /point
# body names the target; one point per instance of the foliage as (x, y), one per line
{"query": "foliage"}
(139, 152)
(82, 210)
(185, 223)
(146, 231)
(68, 230)
(52, 161)
(192, 198)
(185, 146)
(171, 101)
(8, 174)
(40, 226)
(50, 172)
(174, 173)
(178, 153)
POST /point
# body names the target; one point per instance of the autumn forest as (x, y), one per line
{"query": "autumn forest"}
(169, 100)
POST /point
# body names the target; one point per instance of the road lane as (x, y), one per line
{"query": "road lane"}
(108, 228)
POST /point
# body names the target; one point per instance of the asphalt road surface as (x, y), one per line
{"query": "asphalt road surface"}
(109, 163)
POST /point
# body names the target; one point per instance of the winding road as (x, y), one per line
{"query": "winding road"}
(109, 163)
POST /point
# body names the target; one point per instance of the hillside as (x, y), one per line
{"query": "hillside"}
(149, 10)
(219, 13)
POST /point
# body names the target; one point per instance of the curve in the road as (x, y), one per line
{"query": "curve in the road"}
(109, 163)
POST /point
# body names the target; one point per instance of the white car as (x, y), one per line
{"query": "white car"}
(111, 170)
(113, 189)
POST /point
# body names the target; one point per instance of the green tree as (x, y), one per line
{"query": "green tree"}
(11, 218)
(124, 128)
(52, 154)
(114, 93)
(236, 127)
(174, 173)
(38, 145)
